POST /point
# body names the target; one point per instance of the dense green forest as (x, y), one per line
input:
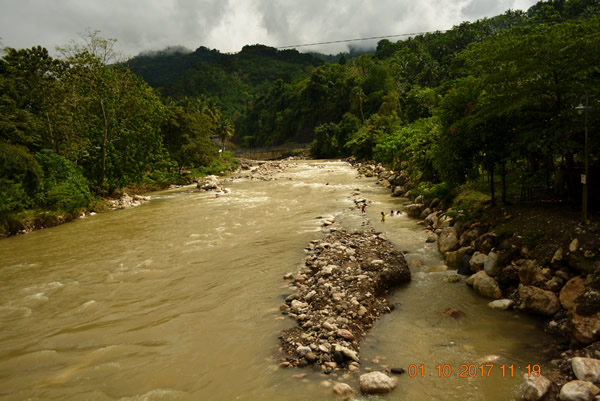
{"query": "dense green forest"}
(497, 97)
(79, 127)
(494, 97)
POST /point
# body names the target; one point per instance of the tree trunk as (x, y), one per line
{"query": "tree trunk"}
(104, 144)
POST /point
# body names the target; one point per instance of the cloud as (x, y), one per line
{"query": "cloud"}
(228, 25)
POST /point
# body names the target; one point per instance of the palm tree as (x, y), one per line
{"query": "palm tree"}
(224, 131)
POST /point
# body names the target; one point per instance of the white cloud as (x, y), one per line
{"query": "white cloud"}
(228, 25)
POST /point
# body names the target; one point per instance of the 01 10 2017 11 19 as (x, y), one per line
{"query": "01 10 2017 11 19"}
(473, 370)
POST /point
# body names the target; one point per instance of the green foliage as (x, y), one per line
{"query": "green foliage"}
(468, 203)
(64, 188)
(325, 145)
(218, 166)
(20, 177)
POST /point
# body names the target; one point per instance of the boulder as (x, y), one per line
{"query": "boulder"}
(467, 238)
(448, 240)
(397, 191)
(484, 285)
(477, 261)
(501, 304)
(587, 369)
(343, 391)
(574, 288)
(491, 266)
(578, 390)
(585, 329)
(539, 301)
(414, 210)
(376, 383)
(535, 387)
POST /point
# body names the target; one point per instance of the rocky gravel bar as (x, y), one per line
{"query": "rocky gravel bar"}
(341, 290)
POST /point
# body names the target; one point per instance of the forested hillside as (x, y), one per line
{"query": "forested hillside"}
(233, 79)
(497, 95)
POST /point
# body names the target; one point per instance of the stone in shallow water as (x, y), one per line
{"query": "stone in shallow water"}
(343, 391)
(501, 304)
(377, 383)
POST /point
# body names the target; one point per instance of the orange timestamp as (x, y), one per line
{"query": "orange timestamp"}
(472, 370)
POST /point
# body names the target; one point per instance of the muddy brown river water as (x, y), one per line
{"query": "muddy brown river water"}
(178, 300)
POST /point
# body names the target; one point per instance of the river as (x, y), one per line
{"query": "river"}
(178, 300)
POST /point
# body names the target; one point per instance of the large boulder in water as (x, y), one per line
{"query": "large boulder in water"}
(376, 383)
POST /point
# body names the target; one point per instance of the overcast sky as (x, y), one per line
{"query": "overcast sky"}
(227, 25)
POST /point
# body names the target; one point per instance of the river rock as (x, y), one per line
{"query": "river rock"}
(477, 261)
(530, 273)
(343, 391)
(376, 383)
(484, 285)
(539, 301)
(303, 350)
(447, 240)
(587, 369)
(491, 266)
(414, 210)
(585, 329)
(578, 390)
(345, 334)
(501, 304)
(535, 387)
(574, 288)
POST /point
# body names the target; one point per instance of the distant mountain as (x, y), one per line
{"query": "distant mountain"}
(233, 80)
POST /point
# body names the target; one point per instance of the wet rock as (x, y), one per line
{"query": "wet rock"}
(414, 210)
(587, 369)
(484, 285)
(501, 304)
(477, 261)
(491, 266)
(578, 390)
(454, 313)
(535, 387)
(448, 240)
(539, 301)
(343, 391)
(376, 383)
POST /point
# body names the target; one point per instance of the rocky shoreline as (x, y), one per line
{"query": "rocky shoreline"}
(558, 280)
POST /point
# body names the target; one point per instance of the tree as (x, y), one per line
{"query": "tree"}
(224, 130)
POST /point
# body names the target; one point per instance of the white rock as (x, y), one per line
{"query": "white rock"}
(303, 350)
(587, 369)
(574, 245)
(535, 387)
(501, 304)
(578, 390)
(376, 383)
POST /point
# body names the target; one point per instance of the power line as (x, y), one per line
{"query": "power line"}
(356, 40)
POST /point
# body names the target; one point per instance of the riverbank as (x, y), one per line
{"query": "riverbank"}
(534, 258)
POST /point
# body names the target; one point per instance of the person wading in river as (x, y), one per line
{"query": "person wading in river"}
(382, 217)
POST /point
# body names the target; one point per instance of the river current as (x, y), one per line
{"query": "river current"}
(178, 300)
